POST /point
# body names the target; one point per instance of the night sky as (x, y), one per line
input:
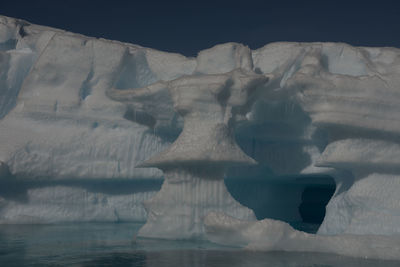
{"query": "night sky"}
(191, 26)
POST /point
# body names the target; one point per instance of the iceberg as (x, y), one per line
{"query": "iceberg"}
(76, 110)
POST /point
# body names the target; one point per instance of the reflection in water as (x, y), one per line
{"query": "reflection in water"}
(96, 244)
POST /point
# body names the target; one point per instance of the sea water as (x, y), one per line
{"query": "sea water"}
(115, 244)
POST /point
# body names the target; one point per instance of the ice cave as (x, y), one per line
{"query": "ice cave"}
(290, 147)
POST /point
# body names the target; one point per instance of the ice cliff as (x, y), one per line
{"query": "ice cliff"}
(76, 110)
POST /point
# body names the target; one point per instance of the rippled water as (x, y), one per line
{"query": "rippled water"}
(97, 244)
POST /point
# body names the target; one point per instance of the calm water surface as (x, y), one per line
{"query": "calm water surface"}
(103, 244)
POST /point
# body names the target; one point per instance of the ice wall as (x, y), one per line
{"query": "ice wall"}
(58, 124)
(338, 109)
(329, 108)
(63, 203)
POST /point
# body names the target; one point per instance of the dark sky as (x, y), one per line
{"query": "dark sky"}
(187, 27)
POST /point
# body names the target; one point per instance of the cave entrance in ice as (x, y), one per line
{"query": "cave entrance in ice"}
(298, 200)
(313, 202)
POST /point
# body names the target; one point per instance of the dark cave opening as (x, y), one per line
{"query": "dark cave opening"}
(297, 200)
(313, 202)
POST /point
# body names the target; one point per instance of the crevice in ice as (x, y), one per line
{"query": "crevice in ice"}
(86, 87)
(22, 31)
(295, 66)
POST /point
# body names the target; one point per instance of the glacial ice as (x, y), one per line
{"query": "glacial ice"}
(195, 163)
(76, 108)
(65, 204)
(270, 235)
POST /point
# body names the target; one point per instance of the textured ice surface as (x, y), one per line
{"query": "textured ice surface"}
(328, 108)
(186, 197)
(272, 235)
(194, 165)
(74, 200)
(61, 204)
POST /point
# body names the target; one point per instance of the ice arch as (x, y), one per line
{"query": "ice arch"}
(195, 163)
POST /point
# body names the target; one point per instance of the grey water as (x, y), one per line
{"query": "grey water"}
(115, 244)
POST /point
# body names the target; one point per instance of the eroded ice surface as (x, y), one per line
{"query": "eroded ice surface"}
(329, 108)
(272, 235)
